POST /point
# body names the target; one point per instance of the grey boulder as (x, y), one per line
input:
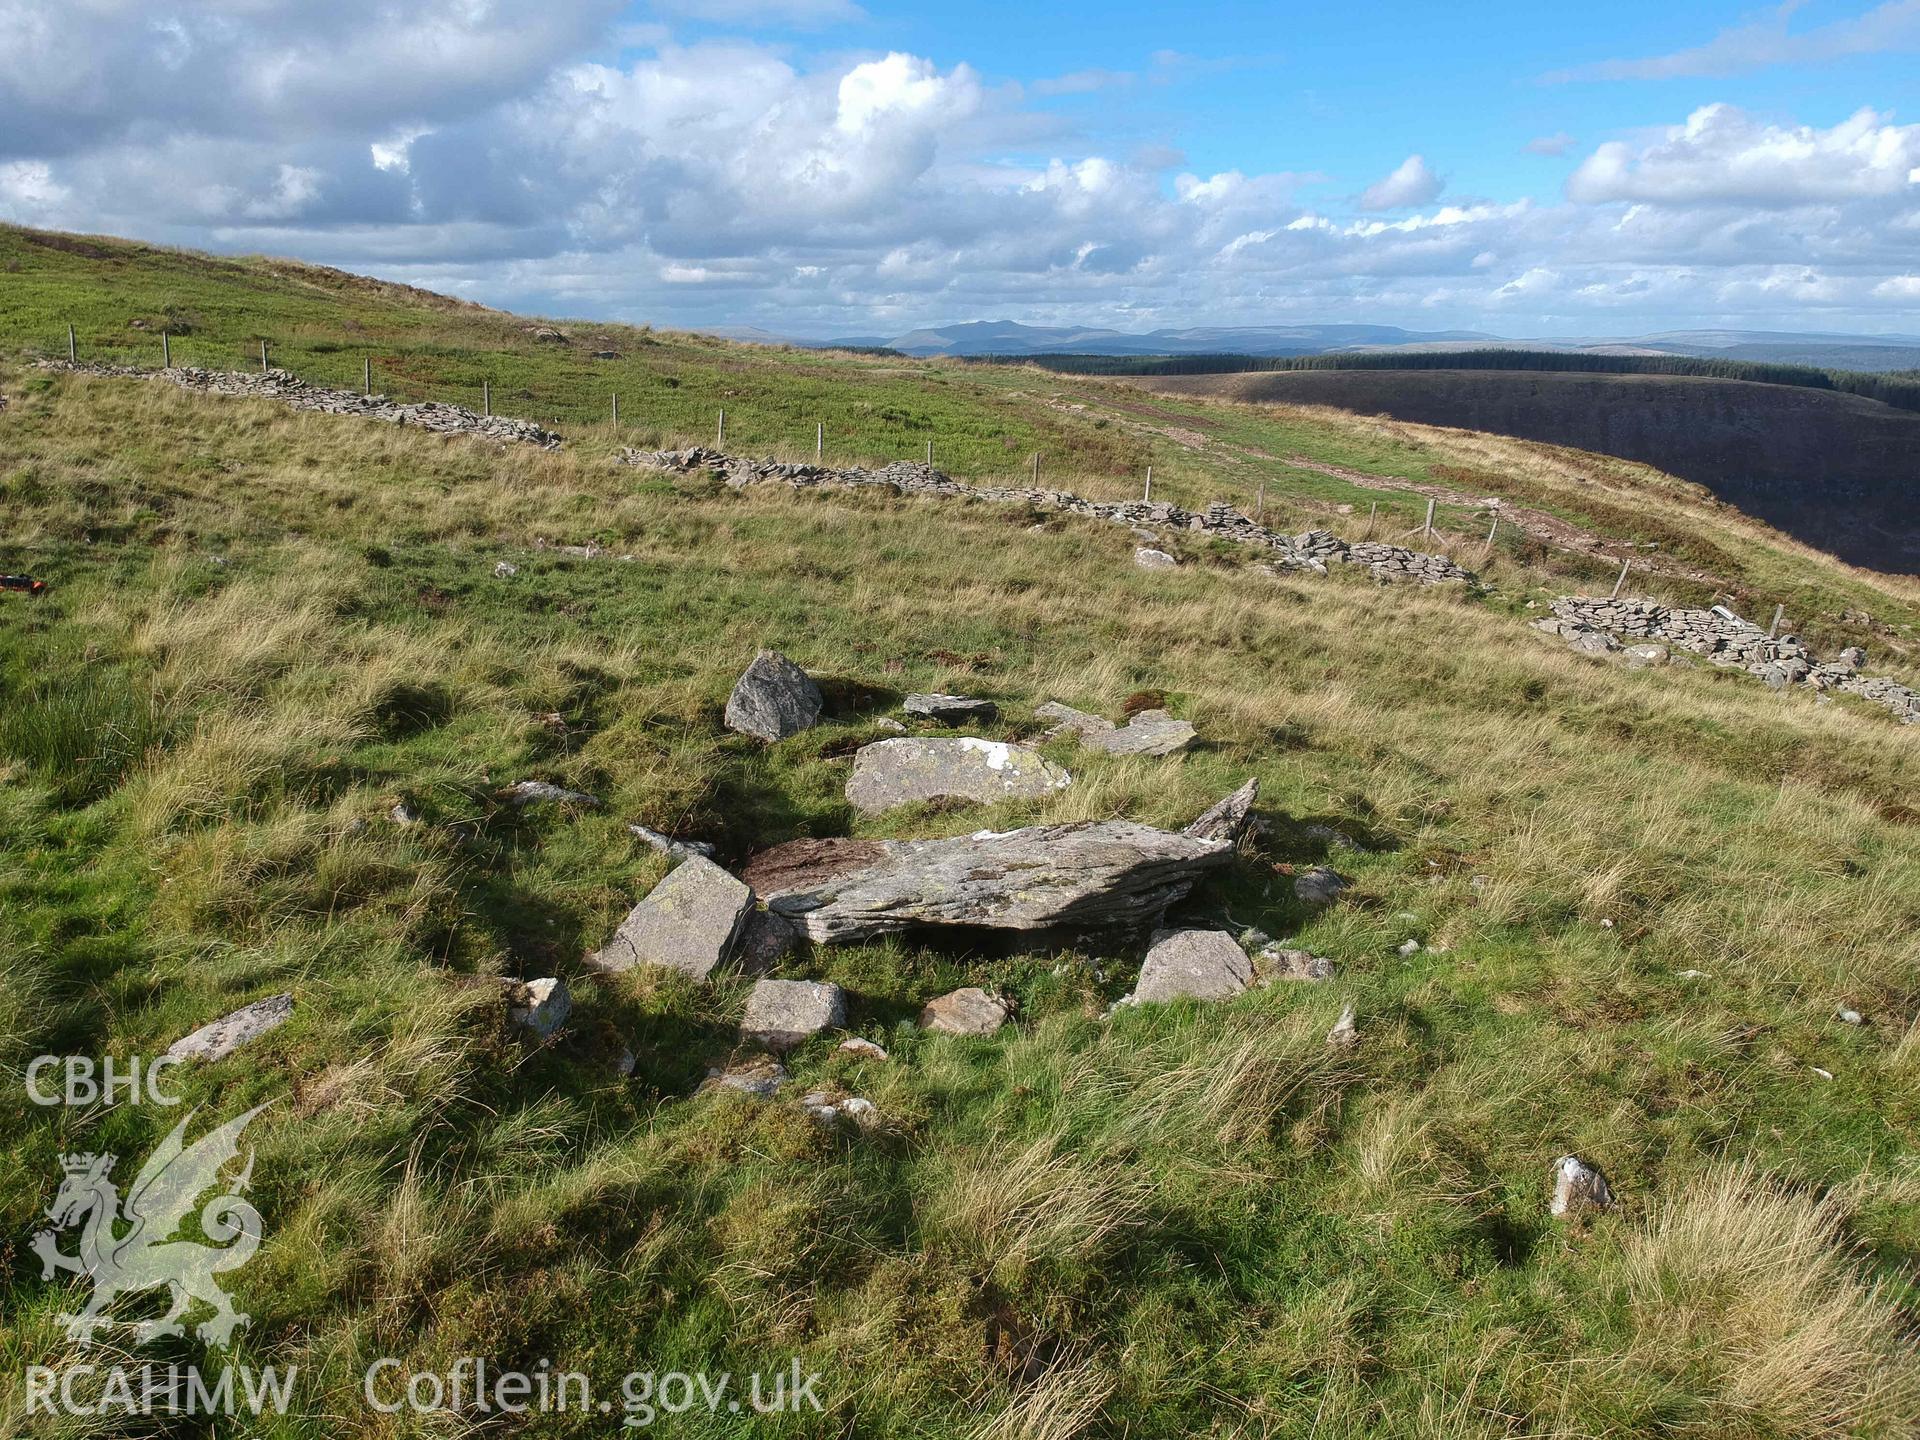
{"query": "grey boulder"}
(782, 1013)
(1318, 886)
(775, 698)
(1193, 965)
(950, 709)
(692, 923)
(889, 773)
(1148, 558)
(1578, 1189)
(543, 792)
(1151, 732)
(541, 1006)
(220, 1039)
(1089, 874)
(970, 1011)
(759, 1076)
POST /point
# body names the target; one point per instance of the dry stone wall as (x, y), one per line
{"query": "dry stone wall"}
(1312, 551)
(291, 390)
(1725, 638)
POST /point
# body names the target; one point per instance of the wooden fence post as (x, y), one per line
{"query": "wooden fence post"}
(1426, 530)
(366, 375)
(1493, 527)
(263, 357)
(486, 398)
(1036, 467)
(720, 432)
(1148, 495)
(616, 407)
(1624, 565)
(819, 440)
(1262, 518)
(73, 348)
(166, 351)
(929, 452)
(1779, 614)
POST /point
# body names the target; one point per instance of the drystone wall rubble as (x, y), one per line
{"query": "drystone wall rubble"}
(291, 390)
(1724, 638)
(1312, 551)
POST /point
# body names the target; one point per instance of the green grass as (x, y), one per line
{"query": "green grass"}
(267, 628)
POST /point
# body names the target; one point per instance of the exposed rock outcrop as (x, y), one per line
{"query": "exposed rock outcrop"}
(222, 1037)
(1150, 732)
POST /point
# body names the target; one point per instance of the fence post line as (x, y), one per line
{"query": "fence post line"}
(1624, 565)
(1036, 467)
(819, 440)
(720, 433)
(486, 398)
(1426, 530)
(366, 375)
(263, 357)
(616, 407)
(166, 351)
(1373, 513)
(73, 348)
(1147, 495)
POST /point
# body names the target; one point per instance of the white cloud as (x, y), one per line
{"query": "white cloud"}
(1905, 288)
(1889, 28)
(1552, 146)
(1723, 155)
(1411, 183)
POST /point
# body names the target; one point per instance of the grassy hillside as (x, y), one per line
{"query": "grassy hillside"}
(1640, 897)
(1836, 470)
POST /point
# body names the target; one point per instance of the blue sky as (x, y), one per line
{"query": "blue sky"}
(823, 167)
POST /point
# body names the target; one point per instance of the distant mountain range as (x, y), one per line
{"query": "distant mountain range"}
(1009, 337)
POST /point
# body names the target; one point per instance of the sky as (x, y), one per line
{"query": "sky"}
(823, 168)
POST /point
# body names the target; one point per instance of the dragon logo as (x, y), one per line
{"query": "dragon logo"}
(124, 1251)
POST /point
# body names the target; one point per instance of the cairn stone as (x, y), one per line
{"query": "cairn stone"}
(1150, 732)
(783, 1013)
(1226, 820)
(541, 792)
(1345, 1033)
(773, 699)
(758, 1075)
(1318, 886)
(1578, 1189)
(968, 1011)
(1090, 874)
(1192, 965)
(891, 773)
(222, 1037)
(692, 923)
(950, 709)
(541, 1006)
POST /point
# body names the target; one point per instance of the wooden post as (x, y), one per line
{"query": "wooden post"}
(263, 357)
(1262, 517)
(1036, 467)
(366, 375)
(720, 432)
(1493, 527)
(1373, 513)
(1624, 565)
(73, 348)
(166, 351)
(616, 407)
(1148, 496)
(1779, 614)
(929, 452)
(1426, 530)
(819, 440)
(486, 398)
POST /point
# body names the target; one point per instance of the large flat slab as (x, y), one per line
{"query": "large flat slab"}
(891, 773)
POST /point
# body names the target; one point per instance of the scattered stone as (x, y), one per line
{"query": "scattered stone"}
(1644, 657)
(667, 845)
(1276, 962)
(1087, 874)
(861, 1049)
(221, 1038)
(403, 814)
(1150, 732)
(1692, 975)
(887, 722)
(1823, 1074)
(1226, 820)
(1318, 886)
(759, 1075)
(1848, 1016)
(1147, 558)
(1851, 659)
(890, 773)
(1345, 1034)
(950, 709)
(806, 864)
(505, 570)
(773, 699)
(541, 792)
(823, 1109)
(545, 334)
(1409, 947)
(542, 1006)
(692, 923)
(1578, 1189)
(1192, 964)
(970, 1011)
(782, 1013)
